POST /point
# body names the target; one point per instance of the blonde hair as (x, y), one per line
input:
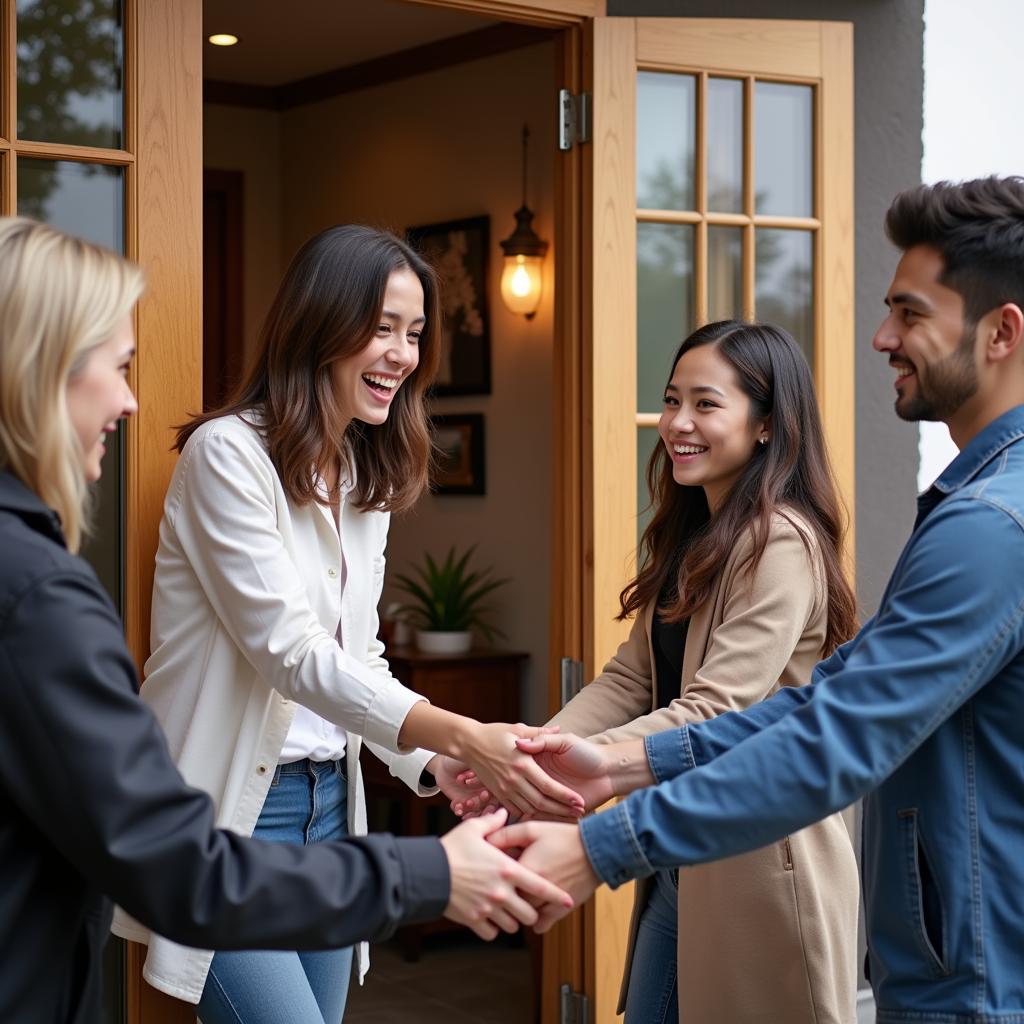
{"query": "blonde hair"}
(60, 298)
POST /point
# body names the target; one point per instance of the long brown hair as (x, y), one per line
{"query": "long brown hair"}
(791, 472)
(327, 308)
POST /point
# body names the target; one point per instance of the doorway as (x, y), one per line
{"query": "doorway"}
(409, 117)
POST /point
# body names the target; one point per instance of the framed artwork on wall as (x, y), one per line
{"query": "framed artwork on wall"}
(458, 251)
(459, 468)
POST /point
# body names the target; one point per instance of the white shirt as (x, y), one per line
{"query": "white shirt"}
(247, 609)
(309, 735)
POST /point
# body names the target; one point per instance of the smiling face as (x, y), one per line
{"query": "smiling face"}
(366, 383)
(705, 424)
(98, 396)
(929, 345)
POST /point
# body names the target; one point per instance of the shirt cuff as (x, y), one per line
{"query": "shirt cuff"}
(669, 753)
(612, 846)
(387, 712)
(426, 879)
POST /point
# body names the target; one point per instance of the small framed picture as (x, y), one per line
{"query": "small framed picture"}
(459, 468)
(457, 250)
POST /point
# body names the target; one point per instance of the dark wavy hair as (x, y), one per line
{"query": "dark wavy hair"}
(327, 308)
(790, 473)
(978, 229)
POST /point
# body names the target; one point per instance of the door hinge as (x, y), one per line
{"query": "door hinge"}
(575, 1007)
(573, 118)
(571, 679)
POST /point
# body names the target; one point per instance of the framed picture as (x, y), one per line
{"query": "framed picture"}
(460, 459)
(457, 250)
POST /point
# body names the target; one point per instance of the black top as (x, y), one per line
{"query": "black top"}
(668, 641)
(92, 809)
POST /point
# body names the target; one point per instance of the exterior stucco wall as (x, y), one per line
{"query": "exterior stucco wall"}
(889, 83)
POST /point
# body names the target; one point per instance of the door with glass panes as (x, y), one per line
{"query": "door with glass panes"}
(722, 186)
(100, 136)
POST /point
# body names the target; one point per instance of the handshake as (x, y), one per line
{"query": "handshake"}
(532, 872)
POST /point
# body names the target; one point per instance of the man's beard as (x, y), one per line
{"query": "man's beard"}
(950, 382)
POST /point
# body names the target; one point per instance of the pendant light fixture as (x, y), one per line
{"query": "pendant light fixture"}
(522, 273)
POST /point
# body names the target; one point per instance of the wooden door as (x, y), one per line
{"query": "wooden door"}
(100, 135)
(721, 184)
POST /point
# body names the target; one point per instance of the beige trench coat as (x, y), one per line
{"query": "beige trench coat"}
(769, 936)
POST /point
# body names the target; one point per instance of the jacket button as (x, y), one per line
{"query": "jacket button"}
(262, 769)
(332, 573)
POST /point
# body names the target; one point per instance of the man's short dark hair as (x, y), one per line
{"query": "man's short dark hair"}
(978, 229)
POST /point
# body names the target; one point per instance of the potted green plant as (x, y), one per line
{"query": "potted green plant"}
(447, 602)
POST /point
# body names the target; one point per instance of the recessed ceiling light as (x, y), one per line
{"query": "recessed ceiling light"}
(223, 39)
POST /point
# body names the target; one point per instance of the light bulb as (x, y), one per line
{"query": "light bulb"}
(521, 283)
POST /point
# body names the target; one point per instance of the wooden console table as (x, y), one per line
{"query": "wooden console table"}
(481, 684)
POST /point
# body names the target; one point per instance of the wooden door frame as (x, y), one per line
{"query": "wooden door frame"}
(164, 129)
(164, 123)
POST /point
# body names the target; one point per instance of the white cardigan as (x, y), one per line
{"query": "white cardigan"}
(246, 610)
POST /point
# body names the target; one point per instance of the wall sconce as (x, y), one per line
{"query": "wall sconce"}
(522, 273)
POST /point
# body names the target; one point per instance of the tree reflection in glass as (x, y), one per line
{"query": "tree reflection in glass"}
(665, 304)
(70, 70)
(784, 292)
(666, 132)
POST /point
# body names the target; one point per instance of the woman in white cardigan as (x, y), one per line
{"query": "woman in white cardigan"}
(266, 671)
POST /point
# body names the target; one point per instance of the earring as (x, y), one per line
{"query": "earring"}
(762, 440)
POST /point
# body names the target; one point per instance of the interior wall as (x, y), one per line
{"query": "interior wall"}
(436, 147)
(249, 140)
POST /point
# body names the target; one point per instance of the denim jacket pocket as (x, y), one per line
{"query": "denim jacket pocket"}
(924, 902)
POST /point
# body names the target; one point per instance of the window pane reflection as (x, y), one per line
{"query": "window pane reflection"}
(725, 145)
(664, 305)
(785, 283)
(725, 273)
(665, 141)
(783, 152)
(646, 441)
(87, 200)
(70, 70)
(83, 199)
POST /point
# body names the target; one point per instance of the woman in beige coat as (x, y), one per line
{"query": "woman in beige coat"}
(740, 591)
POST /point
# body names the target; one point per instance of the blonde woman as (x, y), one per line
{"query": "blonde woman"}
(92, 808)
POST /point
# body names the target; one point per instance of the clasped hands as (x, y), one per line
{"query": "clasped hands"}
(547, 781)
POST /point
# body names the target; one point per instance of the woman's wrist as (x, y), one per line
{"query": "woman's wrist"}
(628, 767)
(433, 728)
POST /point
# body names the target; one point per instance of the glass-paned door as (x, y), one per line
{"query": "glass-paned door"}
(65, 163)
(100, 135)
(721, 170)
(727, 217)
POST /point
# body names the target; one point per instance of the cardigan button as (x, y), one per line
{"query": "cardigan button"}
(333, 573)
(262, 769)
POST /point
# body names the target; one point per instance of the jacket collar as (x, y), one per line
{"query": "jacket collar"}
(17, 498)
(978, 453)
(981, 449)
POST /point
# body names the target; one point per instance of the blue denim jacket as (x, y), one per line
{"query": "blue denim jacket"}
(922, 714)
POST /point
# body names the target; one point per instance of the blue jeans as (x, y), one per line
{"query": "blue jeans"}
(307, 803)
(652, 996)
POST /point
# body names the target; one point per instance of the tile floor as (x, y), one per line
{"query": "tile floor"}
(457, 980)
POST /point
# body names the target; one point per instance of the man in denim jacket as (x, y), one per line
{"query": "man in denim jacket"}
(922, 713)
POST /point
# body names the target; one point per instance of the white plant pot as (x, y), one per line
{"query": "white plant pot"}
(432, 642)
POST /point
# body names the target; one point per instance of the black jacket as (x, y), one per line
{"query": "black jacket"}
(92, 808)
